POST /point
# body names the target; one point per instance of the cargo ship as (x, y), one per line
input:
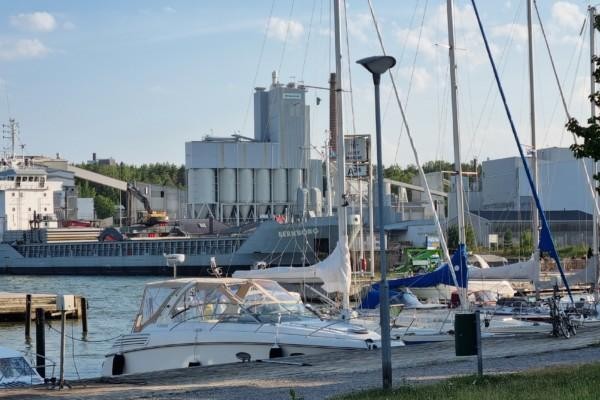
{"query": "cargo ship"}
(109, 251)
(32, 242)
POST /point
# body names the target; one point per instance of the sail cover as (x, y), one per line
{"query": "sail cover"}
(335, 270)
(441, 275)
(528, 270)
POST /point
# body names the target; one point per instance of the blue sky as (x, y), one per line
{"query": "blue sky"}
(135, 80)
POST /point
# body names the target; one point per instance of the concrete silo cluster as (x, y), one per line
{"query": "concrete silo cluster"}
(239, 179)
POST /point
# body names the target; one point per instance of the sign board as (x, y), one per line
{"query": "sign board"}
(357, 148)
(493, 238)
(292, 96)
(357, 171)
(432, 242)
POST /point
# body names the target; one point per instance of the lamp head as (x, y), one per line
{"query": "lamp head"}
(377, 64)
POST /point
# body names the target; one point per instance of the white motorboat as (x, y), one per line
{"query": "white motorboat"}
(206, 321)
(16, 371)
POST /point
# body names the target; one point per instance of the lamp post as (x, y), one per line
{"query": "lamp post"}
(378, 65)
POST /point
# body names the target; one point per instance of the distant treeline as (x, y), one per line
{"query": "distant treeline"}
(106, 198)
(406, 174)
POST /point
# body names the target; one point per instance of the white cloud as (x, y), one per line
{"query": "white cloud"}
(421, 79)
(39, 21)
(68, 26)
(567, 15)
(410, 39)
(517, 31)
(281, 28)
(360, 27)
(169, 10)
(22, 48)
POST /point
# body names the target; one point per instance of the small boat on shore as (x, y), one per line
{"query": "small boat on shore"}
(15, 370)
(207, 321)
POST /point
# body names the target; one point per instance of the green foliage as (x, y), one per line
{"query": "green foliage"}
(453, 236)
(507, 239)
(525, 241)
(86, 190)
(104, 206)
(158, 174)
(571, 382)
(397, 173)
(589, 134)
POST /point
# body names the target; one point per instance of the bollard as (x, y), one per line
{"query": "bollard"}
(28, 317)
(478, 341)
(84, 316)
(40, 342)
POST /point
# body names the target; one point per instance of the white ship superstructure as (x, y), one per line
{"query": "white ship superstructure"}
(26, 196)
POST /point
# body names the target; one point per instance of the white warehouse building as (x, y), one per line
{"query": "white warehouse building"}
(237, 179)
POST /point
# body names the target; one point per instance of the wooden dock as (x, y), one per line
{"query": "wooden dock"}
(13, 306)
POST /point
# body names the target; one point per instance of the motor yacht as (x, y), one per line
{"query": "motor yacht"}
(206, 321)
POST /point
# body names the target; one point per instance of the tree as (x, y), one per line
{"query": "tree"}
(507, 239)
(453, 236)
(525, 240)
(104, 206)
(590, 134)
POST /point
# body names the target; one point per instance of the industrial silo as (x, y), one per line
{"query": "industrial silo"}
(245, 191)
(315, 201)
(279, 187)
(226, 191)
(201, 190)
(294, 182)
(301, 202)
(262, 190)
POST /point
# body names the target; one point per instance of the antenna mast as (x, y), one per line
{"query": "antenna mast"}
(10, 131)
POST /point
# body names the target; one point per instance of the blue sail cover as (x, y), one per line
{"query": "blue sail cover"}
(441, 275)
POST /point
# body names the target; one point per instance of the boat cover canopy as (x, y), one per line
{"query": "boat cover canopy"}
(441, 275)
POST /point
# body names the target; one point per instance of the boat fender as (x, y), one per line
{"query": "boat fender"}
(275, 352)
(118, 365)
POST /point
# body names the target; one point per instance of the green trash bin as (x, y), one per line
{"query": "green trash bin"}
(465, 334)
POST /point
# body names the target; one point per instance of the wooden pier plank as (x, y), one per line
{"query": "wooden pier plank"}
(12, 305)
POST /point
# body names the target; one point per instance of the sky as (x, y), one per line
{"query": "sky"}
(135, 80)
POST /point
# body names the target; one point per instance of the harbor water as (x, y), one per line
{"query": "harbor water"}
(112, 305)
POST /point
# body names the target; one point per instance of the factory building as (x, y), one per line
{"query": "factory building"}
(239, 179)
(502, 199)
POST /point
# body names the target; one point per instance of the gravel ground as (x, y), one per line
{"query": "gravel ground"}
(331, 374)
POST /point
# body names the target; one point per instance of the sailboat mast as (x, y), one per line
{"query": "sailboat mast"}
(460, 212)
(339, 123)
(339, 146)
(535, 218)
(592, 15)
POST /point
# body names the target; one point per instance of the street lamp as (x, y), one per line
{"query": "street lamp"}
(378, 65)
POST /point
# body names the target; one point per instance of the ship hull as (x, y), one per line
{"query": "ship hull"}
(273, 243)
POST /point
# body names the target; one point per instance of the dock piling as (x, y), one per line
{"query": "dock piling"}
(28, 317)
(40, 342)
(84, 325)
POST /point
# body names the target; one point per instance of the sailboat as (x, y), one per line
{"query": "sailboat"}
(523, 270)
(333, 273)
(530, 269)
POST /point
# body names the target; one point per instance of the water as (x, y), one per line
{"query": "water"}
(113, 303)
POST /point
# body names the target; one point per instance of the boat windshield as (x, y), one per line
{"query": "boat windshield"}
(269, 302)
(14, 368)
(153, 299)
(251, 302)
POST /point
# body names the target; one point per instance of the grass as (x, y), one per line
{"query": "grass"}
(576, 383)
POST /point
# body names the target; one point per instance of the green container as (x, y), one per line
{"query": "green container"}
(465, 334)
